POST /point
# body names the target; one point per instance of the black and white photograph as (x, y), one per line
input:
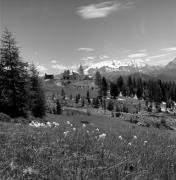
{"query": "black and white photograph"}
(87, 90)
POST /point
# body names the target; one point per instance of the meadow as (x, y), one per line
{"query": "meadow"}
(79, 147)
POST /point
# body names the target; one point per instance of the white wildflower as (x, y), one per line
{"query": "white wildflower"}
(145, 142)
(68, 122)
(87, 131)
(74, 129)
(120, 137)
(83, 125)
(135, 137)
(102, 136)
(71, 125)
(48, 124)
(97, 129)
(56, 124)
(66, 133)
(129, 144)
(13, 166)
(28, 170)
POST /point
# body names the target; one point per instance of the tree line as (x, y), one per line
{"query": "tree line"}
(21, 91)
(149, 90)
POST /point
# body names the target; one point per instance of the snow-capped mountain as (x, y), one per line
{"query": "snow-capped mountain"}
(130, 66)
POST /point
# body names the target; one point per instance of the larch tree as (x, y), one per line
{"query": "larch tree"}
(13, 78)
(37, 96)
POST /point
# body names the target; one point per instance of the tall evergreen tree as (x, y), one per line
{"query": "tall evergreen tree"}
(37, 97)
(88, 97)
(120, 83)
(81, 72)
(104, 87)
(13, 78)
(98, 78)
(58, 107)
(114, 91)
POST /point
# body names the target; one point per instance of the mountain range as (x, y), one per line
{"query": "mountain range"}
(113, 68)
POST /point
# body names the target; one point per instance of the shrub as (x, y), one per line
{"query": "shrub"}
(110, 106)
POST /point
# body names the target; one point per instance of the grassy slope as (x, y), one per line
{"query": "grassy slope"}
(45, 153)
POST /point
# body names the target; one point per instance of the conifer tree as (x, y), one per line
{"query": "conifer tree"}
(13, 78)
(37, 97)
(104, 87)
(81, 72)
(58, 107)
(98, 78)
(120, 83)
(88, 97)
(63, 93)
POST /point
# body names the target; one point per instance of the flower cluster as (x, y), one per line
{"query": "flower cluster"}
(47, 124)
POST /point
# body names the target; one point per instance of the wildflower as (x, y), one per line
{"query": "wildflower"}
(42, 124)
(83, 125)
(68, 122)
(31, 124)
(102, 136)
(28, 170)
(13, 166)
(66, 133)
(120, 137)
(97, 129)
(74, 129)
(145, 142)
(48, 124)
(129, 144)
(135, 137)
(87, 131)
(56, 124)
(71, 125)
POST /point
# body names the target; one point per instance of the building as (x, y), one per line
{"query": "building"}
(49, 76)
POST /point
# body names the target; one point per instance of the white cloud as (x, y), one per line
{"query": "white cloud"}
(103, 57)
(59, 67)
(158, 56)
(90, 58)
(137, 55)
(53, 61)
(84, 59)
(170, 49)
(101, 10)
(85, 49)
(87, 58)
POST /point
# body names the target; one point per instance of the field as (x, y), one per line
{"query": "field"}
(86, 147)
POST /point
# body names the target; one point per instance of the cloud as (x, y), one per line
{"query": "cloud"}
(170, 49)
(53, 61)
(137, 55)
(88, 58)
(85, 49)
(103, 57)
(158, 56)
(59, 67)
(101, 10)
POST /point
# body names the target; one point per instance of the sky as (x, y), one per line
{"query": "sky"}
(60, 34)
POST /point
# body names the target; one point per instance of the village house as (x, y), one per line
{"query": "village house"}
(49, 76)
